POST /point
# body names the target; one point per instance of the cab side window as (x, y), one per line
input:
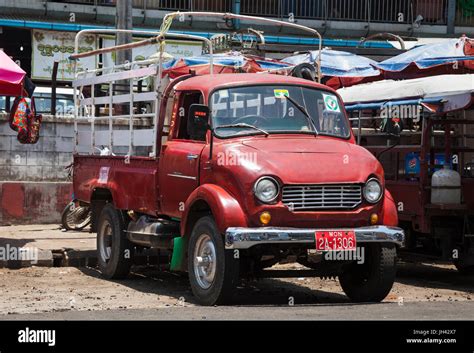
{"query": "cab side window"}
(186, 100)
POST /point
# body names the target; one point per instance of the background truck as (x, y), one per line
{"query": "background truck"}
(230, 174)
(429, 166)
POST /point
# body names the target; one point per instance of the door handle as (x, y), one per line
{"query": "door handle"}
(190, 156)
(181, 175)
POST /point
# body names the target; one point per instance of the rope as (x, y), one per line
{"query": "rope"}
(165, 27)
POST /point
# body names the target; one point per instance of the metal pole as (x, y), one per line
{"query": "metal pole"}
(92, 117)
(118, 48)
(236, 10)
(53, 88)
(123, 20)
(451, 16)
(447, 144)
(359, 130)
(111, 114)
(254, 19)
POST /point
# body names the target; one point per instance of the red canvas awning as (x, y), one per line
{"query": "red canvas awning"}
(11, 77)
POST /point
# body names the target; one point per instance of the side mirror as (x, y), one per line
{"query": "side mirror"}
(198, 121)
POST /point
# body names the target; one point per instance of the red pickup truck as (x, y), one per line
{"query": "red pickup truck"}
(246, 170)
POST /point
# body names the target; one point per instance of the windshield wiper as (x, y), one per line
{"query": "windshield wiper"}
(305, 113)
(243, 126)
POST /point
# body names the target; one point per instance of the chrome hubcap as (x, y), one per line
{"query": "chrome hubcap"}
(205, 261)
(105, 242)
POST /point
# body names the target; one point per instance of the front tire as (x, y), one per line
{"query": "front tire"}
(372, 280)
(213, 270)
(114, 250)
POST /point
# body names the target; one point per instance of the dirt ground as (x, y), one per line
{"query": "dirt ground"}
(41, 289)
(57, 289)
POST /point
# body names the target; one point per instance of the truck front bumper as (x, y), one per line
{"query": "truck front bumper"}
(245, 238)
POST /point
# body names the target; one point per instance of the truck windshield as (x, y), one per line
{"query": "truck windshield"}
(246, 110)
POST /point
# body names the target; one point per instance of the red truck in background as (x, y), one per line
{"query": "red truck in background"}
(232, 174)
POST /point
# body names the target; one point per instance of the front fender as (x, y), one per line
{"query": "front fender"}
(225, 208)
(390, 214)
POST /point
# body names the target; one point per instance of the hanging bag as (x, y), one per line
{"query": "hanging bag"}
(34, 124)
(19, 118)
(25, 121)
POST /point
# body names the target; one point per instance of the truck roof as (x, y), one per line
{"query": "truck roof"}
(207, 83)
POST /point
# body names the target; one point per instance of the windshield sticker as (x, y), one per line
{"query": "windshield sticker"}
(281, 93)
(330, 103)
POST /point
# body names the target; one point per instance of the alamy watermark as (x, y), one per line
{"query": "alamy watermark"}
(232, 158)
(346, 255)
(14, 253)
(413, 112)
(37, 336)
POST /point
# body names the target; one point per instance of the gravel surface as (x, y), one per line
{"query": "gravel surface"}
(60, 289)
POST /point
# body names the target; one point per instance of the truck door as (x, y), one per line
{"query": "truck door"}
(179, 160)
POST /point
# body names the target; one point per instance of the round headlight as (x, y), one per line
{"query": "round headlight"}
(372, 190)
(266, 189)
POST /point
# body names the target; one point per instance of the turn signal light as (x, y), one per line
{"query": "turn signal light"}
(374, 218)
(265, 218)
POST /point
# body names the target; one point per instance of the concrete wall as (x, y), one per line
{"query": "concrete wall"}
(33, 202)
(33, 181)
(43, 161)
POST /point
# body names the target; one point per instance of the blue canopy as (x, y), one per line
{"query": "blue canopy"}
(227, 59)
(427, 56)
(338, 63)
(380, 105)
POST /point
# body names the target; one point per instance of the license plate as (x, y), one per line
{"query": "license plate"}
(335, 240)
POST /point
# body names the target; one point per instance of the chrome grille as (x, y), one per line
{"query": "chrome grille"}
(318, 197)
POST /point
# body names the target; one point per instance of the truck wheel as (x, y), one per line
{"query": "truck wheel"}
(213, 271)
(372, 280)
(114, 250)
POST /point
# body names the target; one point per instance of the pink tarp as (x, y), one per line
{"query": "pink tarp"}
(11, 77)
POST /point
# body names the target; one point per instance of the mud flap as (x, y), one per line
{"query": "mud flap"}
(178, 258)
